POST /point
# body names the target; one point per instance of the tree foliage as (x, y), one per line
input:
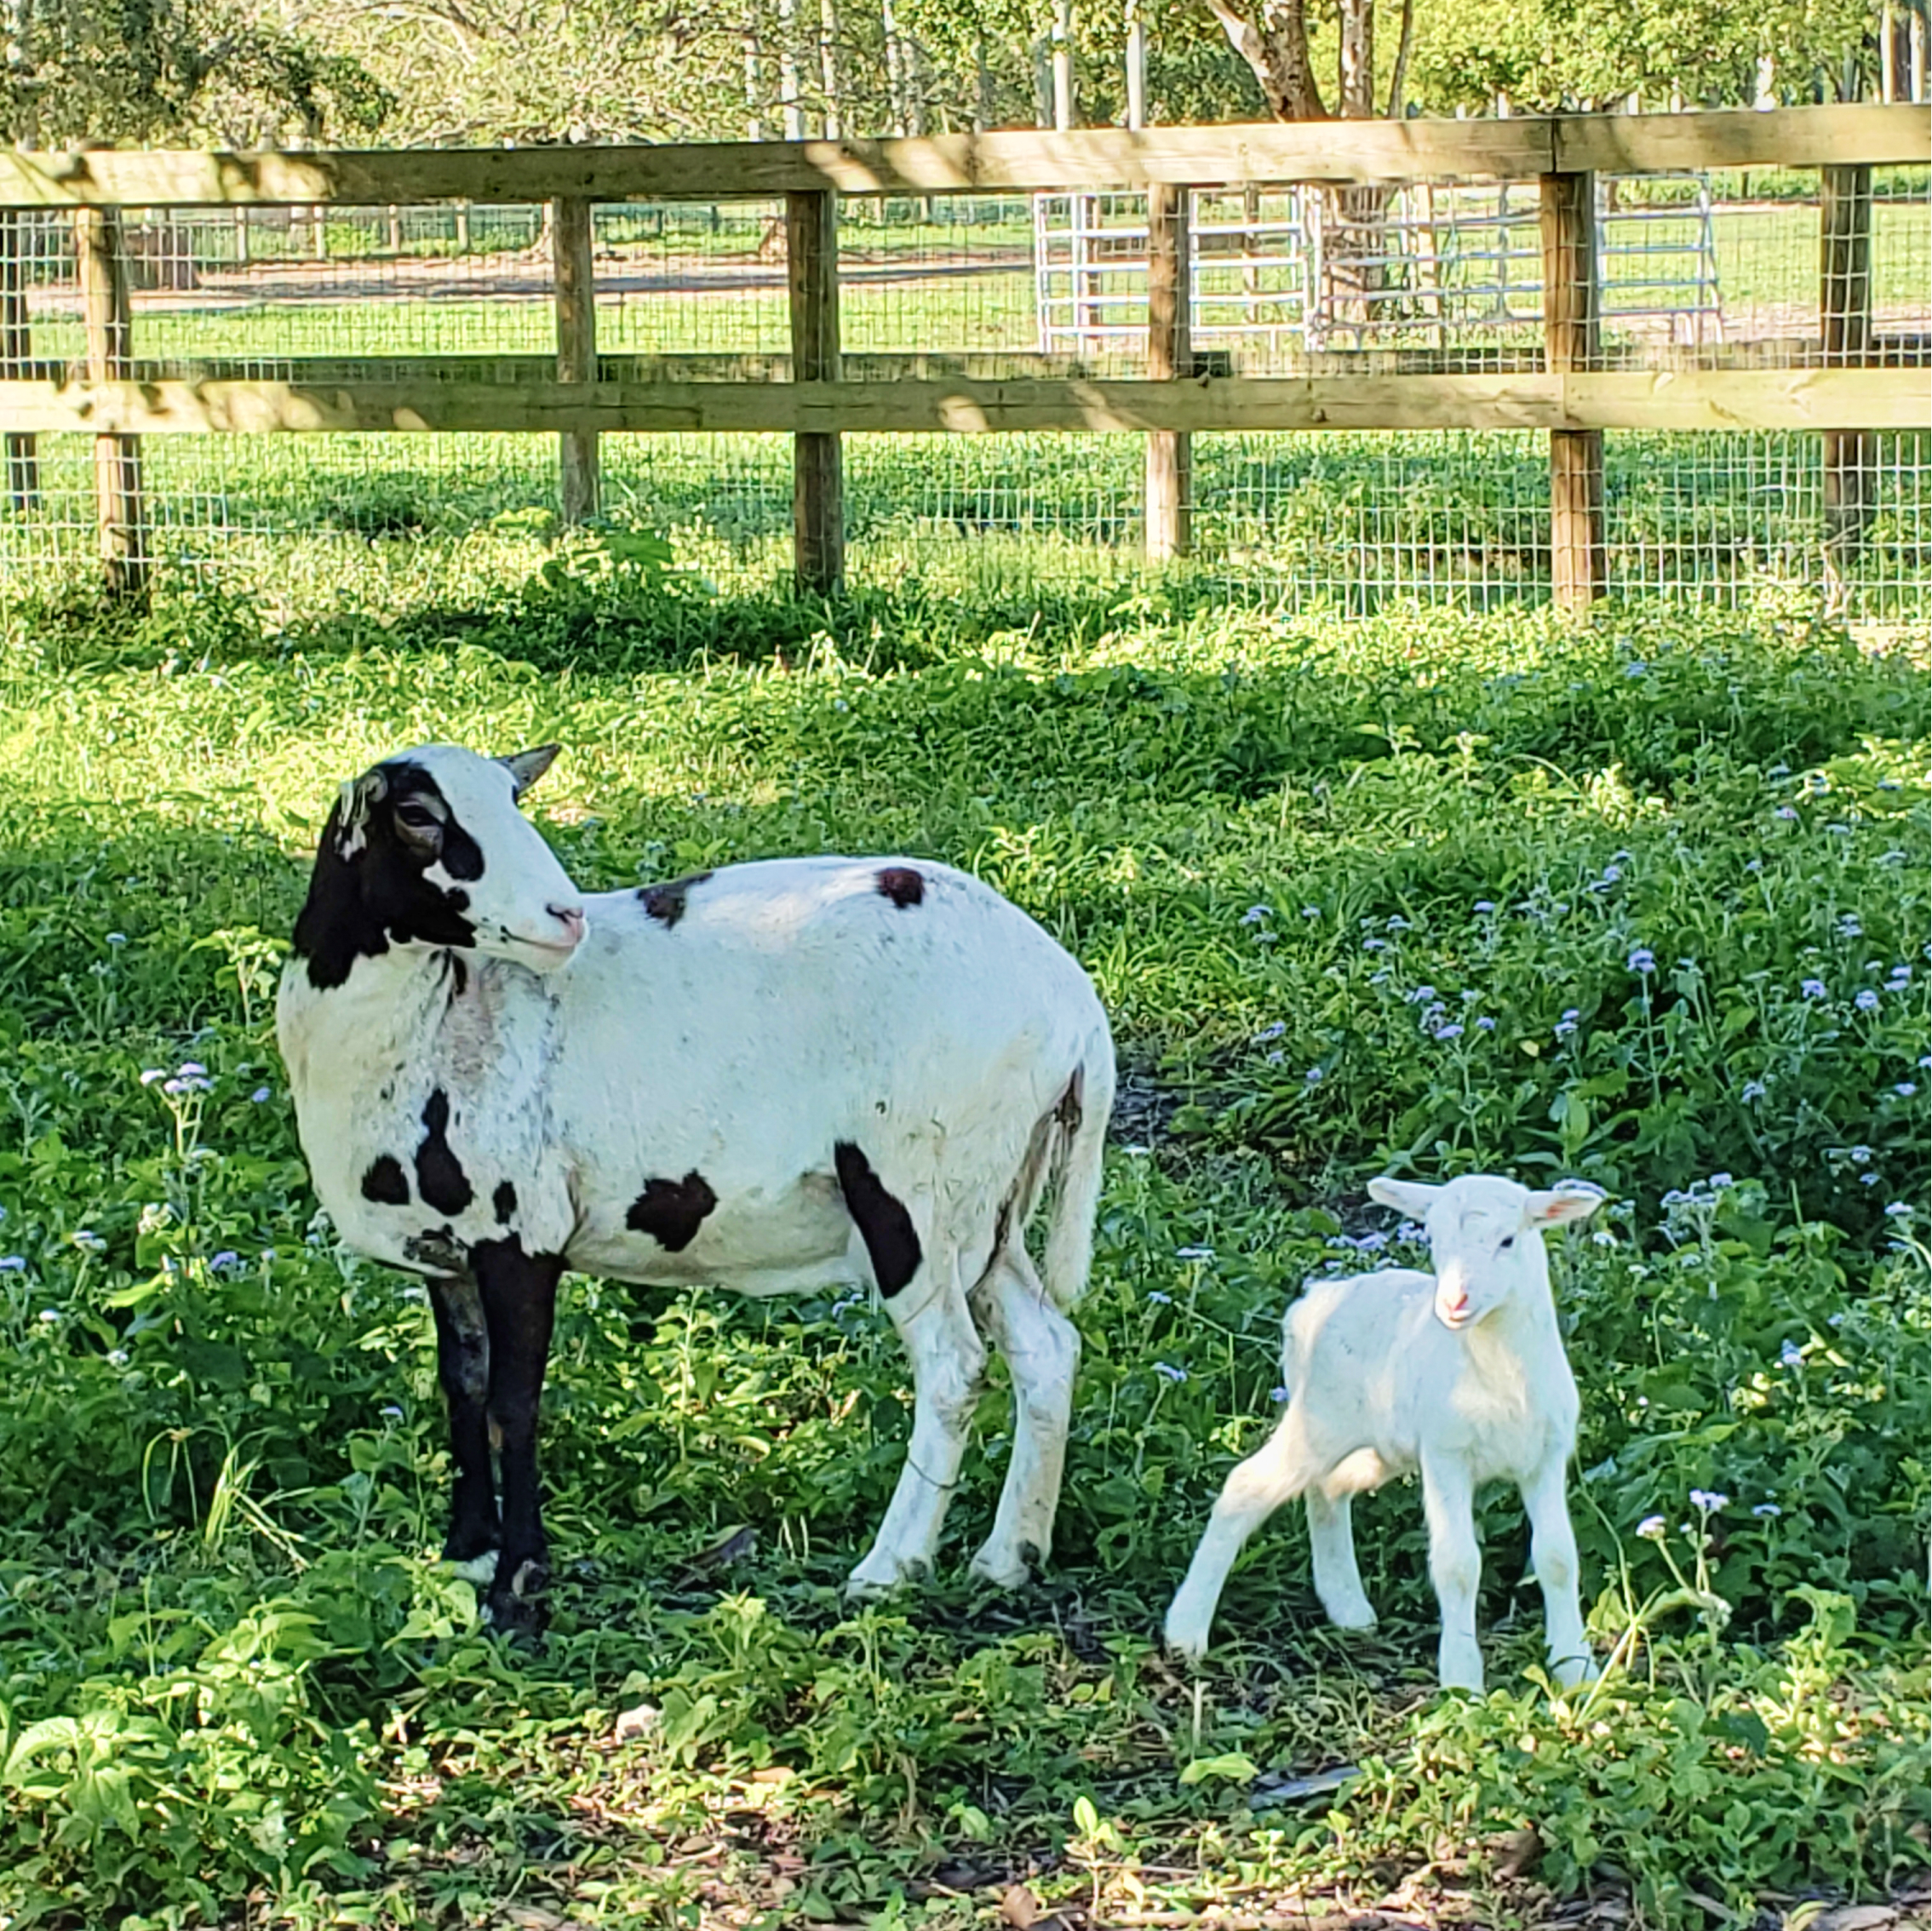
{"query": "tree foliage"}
(80, 70)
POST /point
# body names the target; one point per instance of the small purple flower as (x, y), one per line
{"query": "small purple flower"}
(1651, 1528)
(1169, 1373)
(1786, 811)
(391, 1413)
(1720, 1181)
(1899, 1210)
(1272, 1031)
(1485, 905)
(224, 1261)
(1812, 988)
(1792, 1356)
(1449, 1032)
(1905, 1089)
(118, 1357)
(1312, 1077)
(1275, 1058)
(259, 1095)
(1396, 923)
(1375, 945)
(1277, 1396)
(13, 1263)
(1159, 1299)
(1372, 1242)
(1849, 927)
(1861, 1156)
(1867, 1000)
(1486, 1025)
(1421, 993)
(1256, 914)
(192, 1069)
(117, 938)
(1766, 1511)
(1637, 669)
(1753, 1090)
(1642, 959)
(1311, 911)
(1708, 1500)
(152, 1073)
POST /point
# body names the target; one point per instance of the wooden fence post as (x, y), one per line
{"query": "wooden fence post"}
(16, 353)
(1577, 571)
(108, 315)
(1170, 357)
(818, 502)
(576, 348)
(1845, 305)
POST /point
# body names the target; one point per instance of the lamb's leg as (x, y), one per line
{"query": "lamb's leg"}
(1553, 1548)
(1275, 1473)
(1455, 1567)
(462, 1366)
(1041, 1347)
(520, 1302)
(948, 1361)
(1331, 1542)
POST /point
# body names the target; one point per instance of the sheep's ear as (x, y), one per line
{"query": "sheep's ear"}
(1410, 1197)
(352, 807)
(526, 767)
(1568, 1200)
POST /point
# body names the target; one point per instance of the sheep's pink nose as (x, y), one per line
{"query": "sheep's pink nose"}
(570, 918)
(1455, 1304)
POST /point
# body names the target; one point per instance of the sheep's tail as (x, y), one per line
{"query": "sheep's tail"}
(1076, 1143)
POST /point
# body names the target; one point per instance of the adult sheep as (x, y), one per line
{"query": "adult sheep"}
(775, 1078)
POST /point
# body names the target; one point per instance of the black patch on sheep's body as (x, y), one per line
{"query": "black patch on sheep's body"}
(384, 1182)
(903, 885)
(439, 1175)
(881, 1219)
(504, 1201)
(360, 905)
(666, 902)
(671, 1212)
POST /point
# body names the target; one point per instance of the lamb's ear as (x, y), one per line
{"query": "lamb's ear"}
(1568, 1200)
(526, 767)
(1410, 1197)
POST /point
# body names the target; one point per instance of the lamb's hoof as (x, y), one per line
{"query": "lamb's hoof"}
(1352, 1616)
(519, 1610)
(1187, 1636)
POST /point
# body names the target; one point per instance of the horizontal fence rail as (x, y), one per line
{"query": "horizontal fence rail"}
(1129, 284)
(1015, 162)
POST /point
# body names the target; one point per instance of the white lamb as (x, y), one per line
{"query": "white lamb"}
(1461, 1375)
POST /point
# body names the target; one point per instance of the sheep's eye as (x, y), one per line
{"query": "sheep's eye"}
(415, 818)
(1510, 1242)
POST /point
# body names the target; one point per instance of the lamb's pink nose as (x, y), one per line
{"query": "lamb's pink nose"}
(1456, 1305)
(570, 918)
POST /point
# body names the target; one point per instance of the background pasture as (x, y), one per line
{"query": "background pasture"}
(1644, 900)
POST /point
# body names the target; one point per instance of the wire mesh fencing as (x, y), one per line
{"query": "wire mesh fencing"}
(1759, 268)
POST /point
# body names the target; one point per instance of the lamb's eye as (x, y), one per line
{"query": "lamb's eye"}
(1510, 1242)
(417, 818)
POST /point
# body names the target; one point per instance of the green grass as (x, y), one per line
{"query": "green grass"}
(231, 1671)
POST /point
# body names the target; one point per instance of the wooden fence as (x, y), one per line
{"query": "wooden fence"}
(1855, 384)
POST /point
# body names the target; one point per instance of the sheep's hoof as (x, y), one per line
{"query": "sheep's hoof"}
(872, 1579)
(1001, 1569)
(519, 1609)
(478, 1569)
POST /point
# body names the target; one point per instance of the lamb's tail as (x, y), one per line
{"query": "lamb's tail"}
(1077, 1140)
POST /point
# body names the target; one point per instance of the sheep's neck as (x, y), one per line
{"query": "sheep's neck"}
(389, 1003)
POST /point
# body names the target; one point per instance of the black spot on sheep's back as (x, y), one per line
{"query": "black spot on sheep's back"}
(439, 1174)
(666, 902)
(903, 885)
(362, 901)
(671, 1212)
(881, 1219)
(504, 1201)
(385, 1183)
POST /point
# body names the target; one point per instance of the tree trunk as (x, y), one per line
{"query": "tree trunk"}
(1358, 60)
(788, 70)
(1274, 44)
(829, 67)
(754, 90)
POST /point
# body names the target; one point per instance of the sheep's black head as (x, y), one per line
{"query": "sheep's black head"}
(428, 849)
